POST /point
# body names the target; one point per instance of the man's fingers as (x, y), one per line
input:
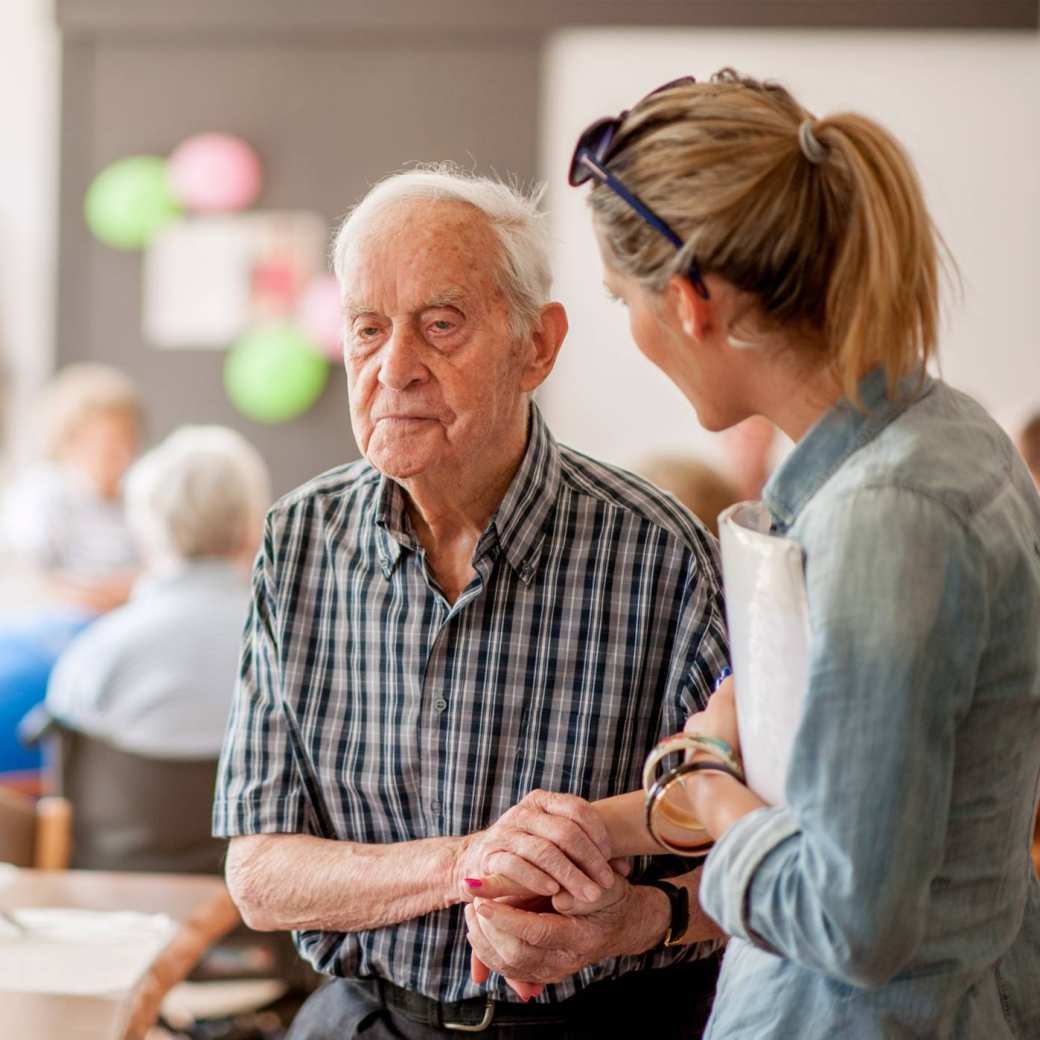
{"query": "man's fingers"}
(571, 839)
(518, 869)
(548, 859)
(544, 931)
(501, 953)
(564, 903)
(578, 811)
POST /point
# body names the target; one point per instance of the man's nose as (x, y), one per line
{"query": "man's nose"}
(402, 362)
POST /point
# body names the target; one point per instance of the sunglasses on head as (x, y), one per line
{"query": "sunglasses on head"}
(590, 159)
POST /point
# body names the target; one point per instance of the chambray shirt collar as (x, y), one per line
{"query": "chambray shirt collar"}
(838, 434)
(519, 525)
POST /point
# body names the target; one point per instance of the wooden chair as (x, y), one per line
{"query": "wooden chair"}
(35, 833)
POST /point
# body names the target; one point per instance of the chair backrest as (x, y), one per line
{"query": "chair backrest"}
(137, 813)
(35, 833)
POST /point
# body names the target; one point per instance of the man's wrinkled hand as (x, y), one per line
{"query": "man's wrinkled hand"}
(546, 844)
(540, 948)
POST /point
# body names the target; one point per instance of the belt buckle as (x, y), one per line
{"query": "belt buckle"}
(476, 1027)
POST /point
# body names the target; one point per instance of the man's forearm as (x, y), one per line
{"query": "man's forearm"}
(283, 882)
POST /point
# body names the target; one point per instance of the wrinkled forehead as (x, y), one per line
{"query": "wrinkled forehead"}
(412, 252)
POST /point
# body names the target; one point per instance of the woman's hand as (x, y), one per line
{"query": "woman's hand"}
(719, 718)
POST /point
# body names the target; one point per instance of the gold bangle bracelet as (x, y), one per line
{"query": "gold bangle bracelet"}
(690, 743)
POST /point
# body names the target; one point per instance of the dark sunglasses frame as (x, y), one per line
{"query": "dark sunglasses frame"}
(589, 160)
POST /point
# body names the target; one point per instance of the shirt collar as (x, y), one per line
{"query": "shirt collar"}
(519, 524)
(839, 433)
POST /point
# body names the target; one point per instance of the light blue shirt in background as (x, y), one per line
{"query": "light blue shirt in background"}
(156, 676)
(894, 896)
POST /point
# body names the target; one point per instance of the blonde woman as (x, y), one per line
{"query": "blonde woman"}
(781, 265)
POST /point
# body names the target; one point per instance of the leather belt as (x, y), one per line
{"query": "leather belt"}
(469, 1016)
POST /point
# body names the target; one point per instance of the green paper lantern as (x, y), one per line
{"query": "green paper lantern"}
(129, 201)
(274, 373)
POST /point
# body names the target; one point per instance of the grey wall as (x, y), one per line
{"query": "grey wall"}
(333, 94)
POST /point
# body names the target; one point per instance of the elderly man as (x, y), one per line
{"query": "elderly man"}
(467, 619)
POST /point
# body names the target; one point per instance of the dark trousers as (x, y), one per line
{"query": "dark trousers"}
(669, 1004)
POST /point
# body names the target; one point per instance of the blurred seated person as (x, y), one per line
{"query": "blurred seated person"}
(144, 693)
(703, 490)
(64, 515)
(62, 522)
(1029, 446)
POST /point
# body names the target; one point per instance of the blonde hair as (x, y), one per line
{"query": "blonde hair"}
(201, 493)
(78, 393)
(834, 242)
(704, 491)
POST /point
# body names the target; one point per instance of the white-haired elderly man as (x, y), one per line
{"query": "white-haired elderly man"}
(466, 620)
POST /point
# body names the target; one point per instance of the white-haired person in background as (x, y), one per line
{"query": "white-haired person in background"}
(155, 677)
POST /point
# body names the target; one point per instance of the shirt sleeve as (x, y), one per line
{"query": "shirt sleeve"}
(700, 651)
(839, 880)
(258, 788)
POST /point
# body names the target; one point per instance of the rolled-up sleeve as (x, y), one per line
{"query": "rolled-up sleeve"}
(838, 880)
(258, 789)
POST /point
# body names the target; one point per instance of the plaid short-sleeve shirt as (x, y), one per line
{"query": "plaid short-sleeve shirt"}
(370, 709)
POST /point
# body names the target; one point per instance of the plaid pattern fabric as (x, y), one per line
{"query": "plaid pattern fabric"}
(371, 710)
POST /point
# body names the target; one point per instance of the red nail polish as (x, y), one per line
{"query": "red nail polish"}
(473, 882)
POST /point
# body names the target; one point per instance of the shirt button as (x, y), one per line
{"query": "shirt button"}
(436, 806)
(440, 704)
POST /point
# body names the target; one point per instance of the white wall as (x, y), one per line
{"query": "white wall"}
(29, 63)
(967, 105)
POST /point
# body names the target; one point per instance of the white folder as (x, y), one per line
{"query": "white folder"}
(768, 616)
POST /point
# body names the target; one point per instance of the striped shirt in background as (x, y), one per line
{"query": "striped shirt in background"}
(370, 709)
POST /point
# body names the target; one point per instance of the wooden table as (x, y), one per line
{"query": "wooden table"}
(200, 906)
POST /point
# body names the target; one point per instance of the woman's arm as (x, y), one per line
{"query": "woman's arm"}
(839, 881)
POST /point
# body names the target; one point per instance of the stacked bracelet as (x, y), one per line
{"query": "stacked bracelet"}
(691, 743)
(724, 760)
(655, 804)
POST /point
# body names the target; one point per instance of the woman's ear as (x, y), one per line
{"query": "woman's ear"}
(693, 313)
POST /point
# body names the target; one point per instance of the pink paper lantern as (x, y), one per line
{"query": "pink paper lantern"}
(319, 313)
(215, 173)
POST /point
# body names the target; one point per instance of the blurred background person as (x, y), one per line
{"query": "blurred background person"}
(703, 490)
(71, 554)
(1029, 445)
(64, 514)
(144, 693)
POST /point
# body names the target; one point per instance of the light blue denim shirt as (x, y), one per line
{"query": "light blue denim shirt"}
(894, 895)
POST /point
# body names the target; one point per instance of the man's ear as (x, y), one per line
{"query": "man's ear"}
(693, 313)
(545, 343)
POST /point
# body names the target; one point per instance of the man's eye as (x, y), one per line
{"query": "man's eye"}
(367, 332)
(442, 327)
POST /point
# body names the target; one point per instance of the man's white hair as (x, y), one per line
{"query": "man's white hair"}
(201, 493)
(515, 218)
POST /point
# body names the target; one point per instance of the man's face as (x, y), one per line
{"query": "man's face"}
(434, 377)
